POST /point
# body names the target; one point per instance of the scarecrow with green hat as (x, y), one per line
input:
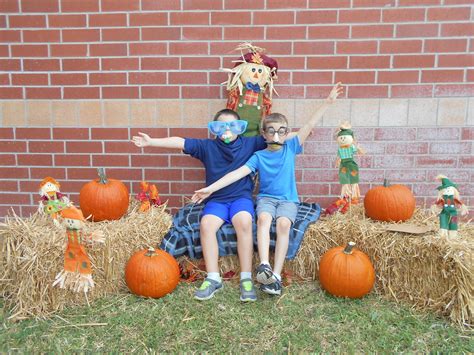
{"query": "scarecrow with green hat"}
(448, 200)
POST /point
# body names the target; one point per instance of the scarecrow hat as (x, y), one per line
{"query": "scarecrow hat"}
(256, 56)
(445, 182)
(72, 213)
(49, 179)
(345, 132)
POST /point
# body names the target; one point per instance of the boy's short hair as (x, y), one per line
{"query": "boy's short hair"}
(226, 111)
(274, 118)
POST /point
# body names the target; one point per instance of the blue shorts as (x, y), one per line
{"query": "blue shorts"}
(277, 208)
(227, 210)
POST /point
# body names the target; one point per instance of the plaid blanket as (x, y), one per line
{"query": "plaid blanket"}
(183, 237)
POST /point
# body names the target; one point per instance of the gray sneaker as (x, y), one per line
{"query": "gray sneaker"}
(247, 291)
(265, 274)
(207, 290)
(273, 288)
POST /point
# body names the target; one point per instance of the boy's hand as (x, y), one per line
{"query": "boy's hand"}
(201, 195)
(337, 90)
(143, 141)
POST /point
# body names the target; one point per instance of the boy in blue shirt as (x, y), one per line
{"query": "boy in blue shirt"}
(277, 198)
(232, 204)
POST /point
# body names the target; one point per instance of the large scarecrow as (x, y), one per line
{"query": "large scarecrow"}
(250, 86)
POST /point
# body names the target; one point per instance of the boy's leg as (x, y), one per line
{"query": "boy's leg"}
(283, 226)
(263, 236)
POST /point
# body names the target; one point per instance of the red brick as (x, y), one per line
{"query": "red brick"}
(122, 34)
(84, 147)
(400, 46)
(445, 45)
(328, 32)
(114, 5)
(418, 2)
(167, 175)
(3, 21)
(401, 76)
(10, 6)
(80, 6)
(41, 36)
(10, 64)
(456, 60)
(470, 75)
(373, 3)
(147, 48)
(29, 79)
(435, 162)
(457, 2)
(369, 62)
(205, 33)
(313, 161)
(68, 50)
(160, 33)
(234, 18)
(45, 147)
(437, 76)
(408, 148)
(178, 48)
(160, 92)
(449, 13)
(403, 15)
(121, 92)
(418, 30)
(125, 174)
(202, 5)
(80, 64)
(39, 6)
(290, 91)
(440, 148)
(457, 29)
(187, 77)
(26, 21)
(466, 162)
(186, 188)
(13, 173)
(313, 48)
(314, 16)
(287, 32)
(355, 77)
(211, 63)
(309, 77)
(162, 63)
(68, 79)
(10, 36)
(436, 134)
(62, 21)
(81, 93)
(395, 134)
(356, 92)
(4, 51)
(149, 19)
(313, 189)
(149, 5)
(79, 173)
(29, 50)
(244, 4)
(9, 186)
(14, 199)
(40, 173)
(412, 91)
(120, 63)
(359, 16)
(413, 61)
(355, 47)
(81, 35)
(335, 4)
(189, 18)
(454, 90)
(147, 78)
(107, 78)
(119, 147)
(284, 4)
(372, 31)
(43, 93)
(109, 134)
(11, 93)
(35, 159)
(110, 160)
(188, 132)
(6, 132)
(108, 20)
(7, 160)
(71, 133)
(232, 33)
(4, 79)
(291, 63)
(200, 92)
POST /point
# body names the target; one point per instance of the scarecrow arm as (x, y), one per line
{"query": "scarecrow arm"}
(267, 105)
(233, 99)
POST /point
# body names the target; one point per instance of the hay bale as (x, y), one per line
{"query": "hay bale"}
(33, 252)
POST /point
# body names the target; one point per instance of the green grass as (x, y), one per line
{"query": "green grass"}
(304, 319)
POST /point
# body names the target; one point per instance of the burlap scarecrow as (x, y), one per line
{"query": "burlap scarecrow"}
(52, 200)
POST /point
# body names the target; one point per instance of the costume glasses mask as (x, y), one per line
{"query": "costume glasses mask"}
(218, 128)
(282, 131)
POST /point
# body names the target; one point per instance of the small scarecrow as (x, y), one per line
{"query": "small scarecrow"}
(77, 272)
(250, 86)
(52, 200)
(348, 170)
(148, 197)
(448, 199)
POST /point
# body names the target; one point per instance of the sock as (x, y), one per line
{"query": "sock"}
(214, 276)
(246, 275)
(266, 262)
(277, 276)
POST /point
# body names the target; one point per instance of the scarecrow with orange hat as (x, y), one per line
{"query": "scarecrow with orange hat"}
(52, 200)
(77, 272)
(448, 199)
(250, 86)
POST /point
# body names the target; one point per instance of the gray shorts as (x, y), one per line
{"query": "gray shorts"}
(277, 208)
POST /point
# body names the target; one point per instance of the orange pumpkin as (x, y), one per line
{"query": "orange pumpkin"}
(104, 199)
(346, 272)
(389, 203)
(152, 273)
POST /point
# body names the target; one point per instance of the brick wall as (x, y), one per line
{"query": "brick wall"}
(78, 78)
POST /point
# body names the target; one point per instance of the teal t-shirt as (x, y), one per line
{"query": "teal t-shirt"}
(276, 170)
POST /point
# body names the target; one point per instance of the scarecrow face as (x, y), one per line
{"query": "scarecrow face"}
(345, 140)
(73, 223)
(255, 74)
(48, 188)
(448, 190)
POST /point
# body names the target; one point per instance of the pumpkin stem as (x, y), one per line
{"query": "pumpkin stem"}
(102, 177)
(349, 247)
(150, 252)
(386, 183)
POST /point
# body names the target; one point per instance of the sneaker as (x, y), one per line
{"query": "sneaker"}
(247, 291)
(207, 290)
(273, 288)
(265, 274)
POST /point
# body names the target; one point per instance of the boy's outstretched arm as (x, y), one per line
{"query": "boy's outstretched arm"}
(144, 140)
(304, 131)
(226, 180)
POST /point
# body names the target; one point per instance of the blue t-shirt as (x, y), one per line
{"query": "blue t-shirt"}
(220, 158)
(276, 170)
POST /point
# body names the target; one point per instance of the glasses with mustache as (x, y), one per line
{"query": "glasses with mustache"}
(282, 131)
